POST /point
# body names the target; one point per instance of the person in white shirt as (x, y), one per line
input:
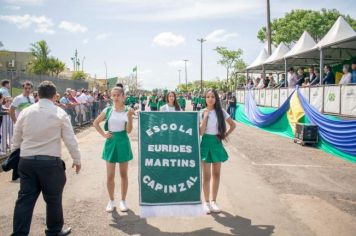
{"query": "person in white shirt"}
(213, 129)
(346, 77)
(5, 87)
(117, 149)
(292, 78)
(22, 101)
(171, 103)
(83, 100)
(41, 168)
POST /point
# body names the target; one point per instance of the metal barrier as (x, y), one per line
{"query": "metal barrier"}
(337, 100)
(80, 115)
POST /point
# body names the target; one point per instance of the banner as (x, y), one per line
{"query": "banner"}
(290, 91)
(275, 98)
(348, 100)
(262, 97)
(283, 95)
(268, 101)
(169, 159)
(305, 92)
(332, 99)
(316, 97)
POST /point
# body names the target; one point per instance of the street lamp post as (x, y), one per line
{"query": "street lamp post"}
(269, 29)
(83, 63)
(201, 40)
(186, 74)
(179, 76)
(106, 76)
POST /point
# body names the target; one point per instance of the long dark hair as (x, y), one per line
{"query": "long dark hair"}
(219, 114)
(176, 105)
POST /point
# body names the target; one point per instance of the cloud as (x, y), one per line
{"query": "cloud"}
(26, 2)
(144, 72)
(43, 25)
(102, 36)
(85, 41)
(172, 10)
(13, 7)
(178, 64)
(219, 35)
(168, 39)
(72, 27)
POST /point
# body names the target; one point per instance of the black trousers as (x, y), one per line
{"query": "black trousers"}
(36, 176)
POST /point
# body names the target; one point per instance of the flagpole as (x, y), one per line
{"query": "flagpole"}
(136, 81)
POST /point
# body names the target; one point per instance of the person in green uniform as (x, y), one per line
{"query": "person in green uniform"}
(195, 102)
(213, 129)
(143, 100)
(161, 102)
(153, 102)
(117, 149)
(181, 102)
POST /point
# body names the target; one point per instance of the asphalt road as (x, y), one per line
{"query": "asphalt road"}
(269, 186)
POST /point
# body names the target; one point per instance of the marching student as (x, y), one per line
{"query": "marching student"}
(213, 129)
(171, 103)
(117, 149)
(181, 102)
(153, 102)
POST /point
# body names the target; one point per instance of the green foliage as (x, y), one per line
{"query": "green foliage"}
(78, 75)
(228, 58)
(42, 63)
(289, 28)
(194, 87)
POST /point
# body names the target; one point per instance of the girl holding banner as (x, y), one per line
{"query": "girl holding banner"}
(117, 149)
(171, 103)
(213, 130)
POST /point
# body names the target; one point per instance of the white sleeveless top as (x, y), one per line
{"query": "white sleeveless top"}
(117, 121)
(167, 108)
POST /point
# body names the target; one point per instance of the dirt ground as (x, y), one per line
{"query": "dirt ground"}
(269, 186)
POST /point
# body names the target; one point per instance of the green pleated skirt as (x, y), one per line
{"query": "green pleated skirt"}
(212, 150)
(117, 149)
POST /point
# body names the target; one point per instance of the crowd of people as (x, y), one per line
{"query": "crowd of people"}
(302, 78)
(81, 105)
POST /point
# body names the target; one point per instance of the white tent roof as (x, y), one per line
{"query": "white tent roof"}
(262, 56)
(304, 44)
(339, 32)
(278, 54)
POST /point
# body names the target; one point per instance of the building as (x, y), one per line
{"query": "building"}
(14, 63)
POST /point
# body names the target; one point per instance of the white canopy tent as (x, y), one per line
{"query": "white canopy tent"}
(275, 60)
(258, 62)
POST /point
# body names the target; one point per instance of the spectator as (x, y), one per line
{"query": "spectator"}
(353, 79)
(300, 76)
(346, 77)
(232, 107)
(316, 80)
(271, 83)
(306, 82)
(312, 74)
(35, 96)
(329, 77)
(292, 78)
(282, 82)
(22, 101)
(261, 83)
(249, 84)
(5, 86)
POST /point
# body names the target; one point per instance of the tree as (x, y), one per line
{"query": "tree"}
(228, 58)
(289, 28)
(78, 75)
(42, 62)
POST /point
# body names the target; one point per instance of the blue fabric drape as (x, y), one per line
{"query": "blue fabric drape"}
(339, 133)
(260, 119)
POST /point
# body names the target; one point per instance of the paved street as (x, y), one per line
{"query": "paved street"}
(269, 186)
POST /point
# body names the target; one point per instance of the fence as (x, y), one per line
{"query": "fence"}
(331, 99)
(80, 115)
(62, 84)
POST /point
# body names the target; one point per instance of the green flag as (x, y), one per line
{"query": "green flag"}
(134, 69)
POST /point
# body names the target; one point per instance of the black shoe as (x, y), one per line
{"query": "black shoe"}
(64, 232)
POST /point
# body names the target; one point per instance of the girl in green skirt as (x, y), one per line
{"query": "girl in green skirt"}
(213, 129)
(117, 148)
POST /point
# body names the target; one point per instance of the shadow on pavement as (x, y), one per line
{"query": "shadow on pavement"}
(132, 224)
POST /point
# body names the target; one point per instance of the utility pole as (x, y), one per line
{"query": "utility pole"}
(201, 40)
(269, 42)
(186, 74)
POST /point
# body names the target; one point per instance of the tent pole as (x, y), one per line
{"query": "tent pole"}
(285, 72)
(321, 66)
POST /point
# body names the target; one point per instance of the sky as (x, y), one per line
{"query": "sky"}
(155, 35)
